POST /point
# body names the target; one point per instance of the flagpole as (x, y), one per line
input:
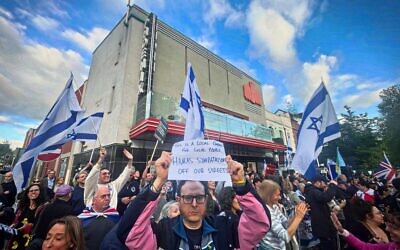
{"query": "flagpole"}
(154, 150)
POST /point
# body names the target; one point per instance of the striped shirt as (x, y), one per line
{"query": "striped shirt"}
(277, 236)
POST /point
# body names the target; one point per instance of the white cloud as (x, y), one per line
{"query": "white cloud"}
(31, 74)
(45, 23)
(314, 73)
(362, 100)
(365, 85)
(269, 95)
(271, 36)
(88, 40)
(288, 99)
(4, 119)
(6, 13)
(216, 10)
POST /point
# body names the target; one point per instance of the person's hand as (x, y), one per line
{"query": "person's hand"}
(337, 223)
(332, 182)
(235, 169)
(301, 210)
(102, 155)
(125, 200)
(128, 155)
(162, 165)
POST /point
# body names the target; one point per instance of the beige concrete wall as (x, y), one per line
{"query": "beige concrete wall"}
(280, 122)
(217, 85)
(113, 81)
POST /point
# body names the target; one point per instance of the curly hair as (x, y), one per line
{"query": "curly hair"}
(42, 197)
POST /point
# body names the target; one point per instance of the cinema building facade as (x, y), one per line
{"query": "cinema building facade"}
(137, 76)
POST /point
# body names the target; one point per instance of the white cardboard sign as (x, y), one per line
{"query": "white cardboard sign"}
(201, 160)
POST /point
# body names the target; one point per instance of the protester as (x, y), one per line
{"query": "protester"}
(9, 190)
(7, 216)
(147, 176)
(65, 233)
(191, 229)
(59, 182)
(365, 192)
(48, 183)
(392, 227)
(128, 192)
(281, 232)
(169, 210)
(229, 215)
(213, 207)
(58, 208)
(99, 219)
(369, 220)
(77, 201)
(99, 176)
(32, 199)
(318, 198)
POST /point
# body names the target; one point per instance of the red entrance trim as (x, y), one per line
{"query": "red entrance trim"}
(150, 125)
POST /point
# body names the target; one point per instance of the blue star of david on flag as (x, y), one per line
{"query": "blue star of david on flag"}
(319, 116)
(314, 124)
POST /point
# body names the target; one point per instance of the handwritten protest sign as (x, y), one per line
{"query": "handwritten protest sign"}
(201, 160)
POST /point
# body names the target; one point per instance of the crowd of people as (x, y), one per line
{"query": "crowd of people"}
(148, 211)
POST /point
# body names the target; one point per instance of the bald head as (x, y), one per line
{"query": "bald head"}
(101, 199)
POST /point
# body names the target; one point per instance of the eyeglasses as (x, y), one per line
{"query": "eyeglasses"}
(188, 199)
(34, 190)
(105, 173)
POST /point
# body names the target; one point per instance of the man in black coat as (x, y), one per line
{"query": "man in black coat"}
(9, 190)
(317, 197)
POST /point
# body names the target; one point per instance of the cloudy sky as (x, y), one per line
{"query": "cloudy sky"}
(287, 45)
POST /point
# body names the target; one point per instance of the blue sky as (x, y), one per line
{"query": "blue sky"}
(287, 45)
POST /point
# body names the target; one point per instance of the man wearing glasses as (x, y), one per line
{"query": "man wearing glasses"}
(99, 176)
(191, 229)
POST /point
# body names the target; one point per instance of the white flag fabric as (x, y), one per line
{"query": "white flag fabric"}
(191, 108)
(289, 152)
(62, 117)
(318, 126)
(85, 130)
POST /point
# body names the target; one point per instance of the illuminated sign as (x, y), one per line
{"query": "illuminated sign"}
(252, 94)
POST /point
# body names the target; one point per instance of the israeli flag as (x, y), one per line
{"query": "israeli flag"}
(289, 152)
(192, 108)
(62, 117)
(86, 129)
(318, 126)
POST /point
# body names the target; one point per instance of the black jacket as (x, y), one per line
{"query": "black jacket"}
(9, 199)
(317, 198)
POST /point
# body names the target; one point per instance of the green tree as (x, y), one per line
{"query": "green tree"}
(359, 144)
(390, 111)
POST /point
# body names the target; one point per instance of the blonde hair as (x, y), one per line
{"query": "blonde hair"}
(267, 190)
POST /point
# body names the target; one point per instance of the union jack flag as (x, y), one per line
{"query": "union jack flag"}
(385, 170)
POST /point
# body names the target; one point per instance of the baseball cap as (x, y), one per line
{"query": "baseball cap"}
(63, 190)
